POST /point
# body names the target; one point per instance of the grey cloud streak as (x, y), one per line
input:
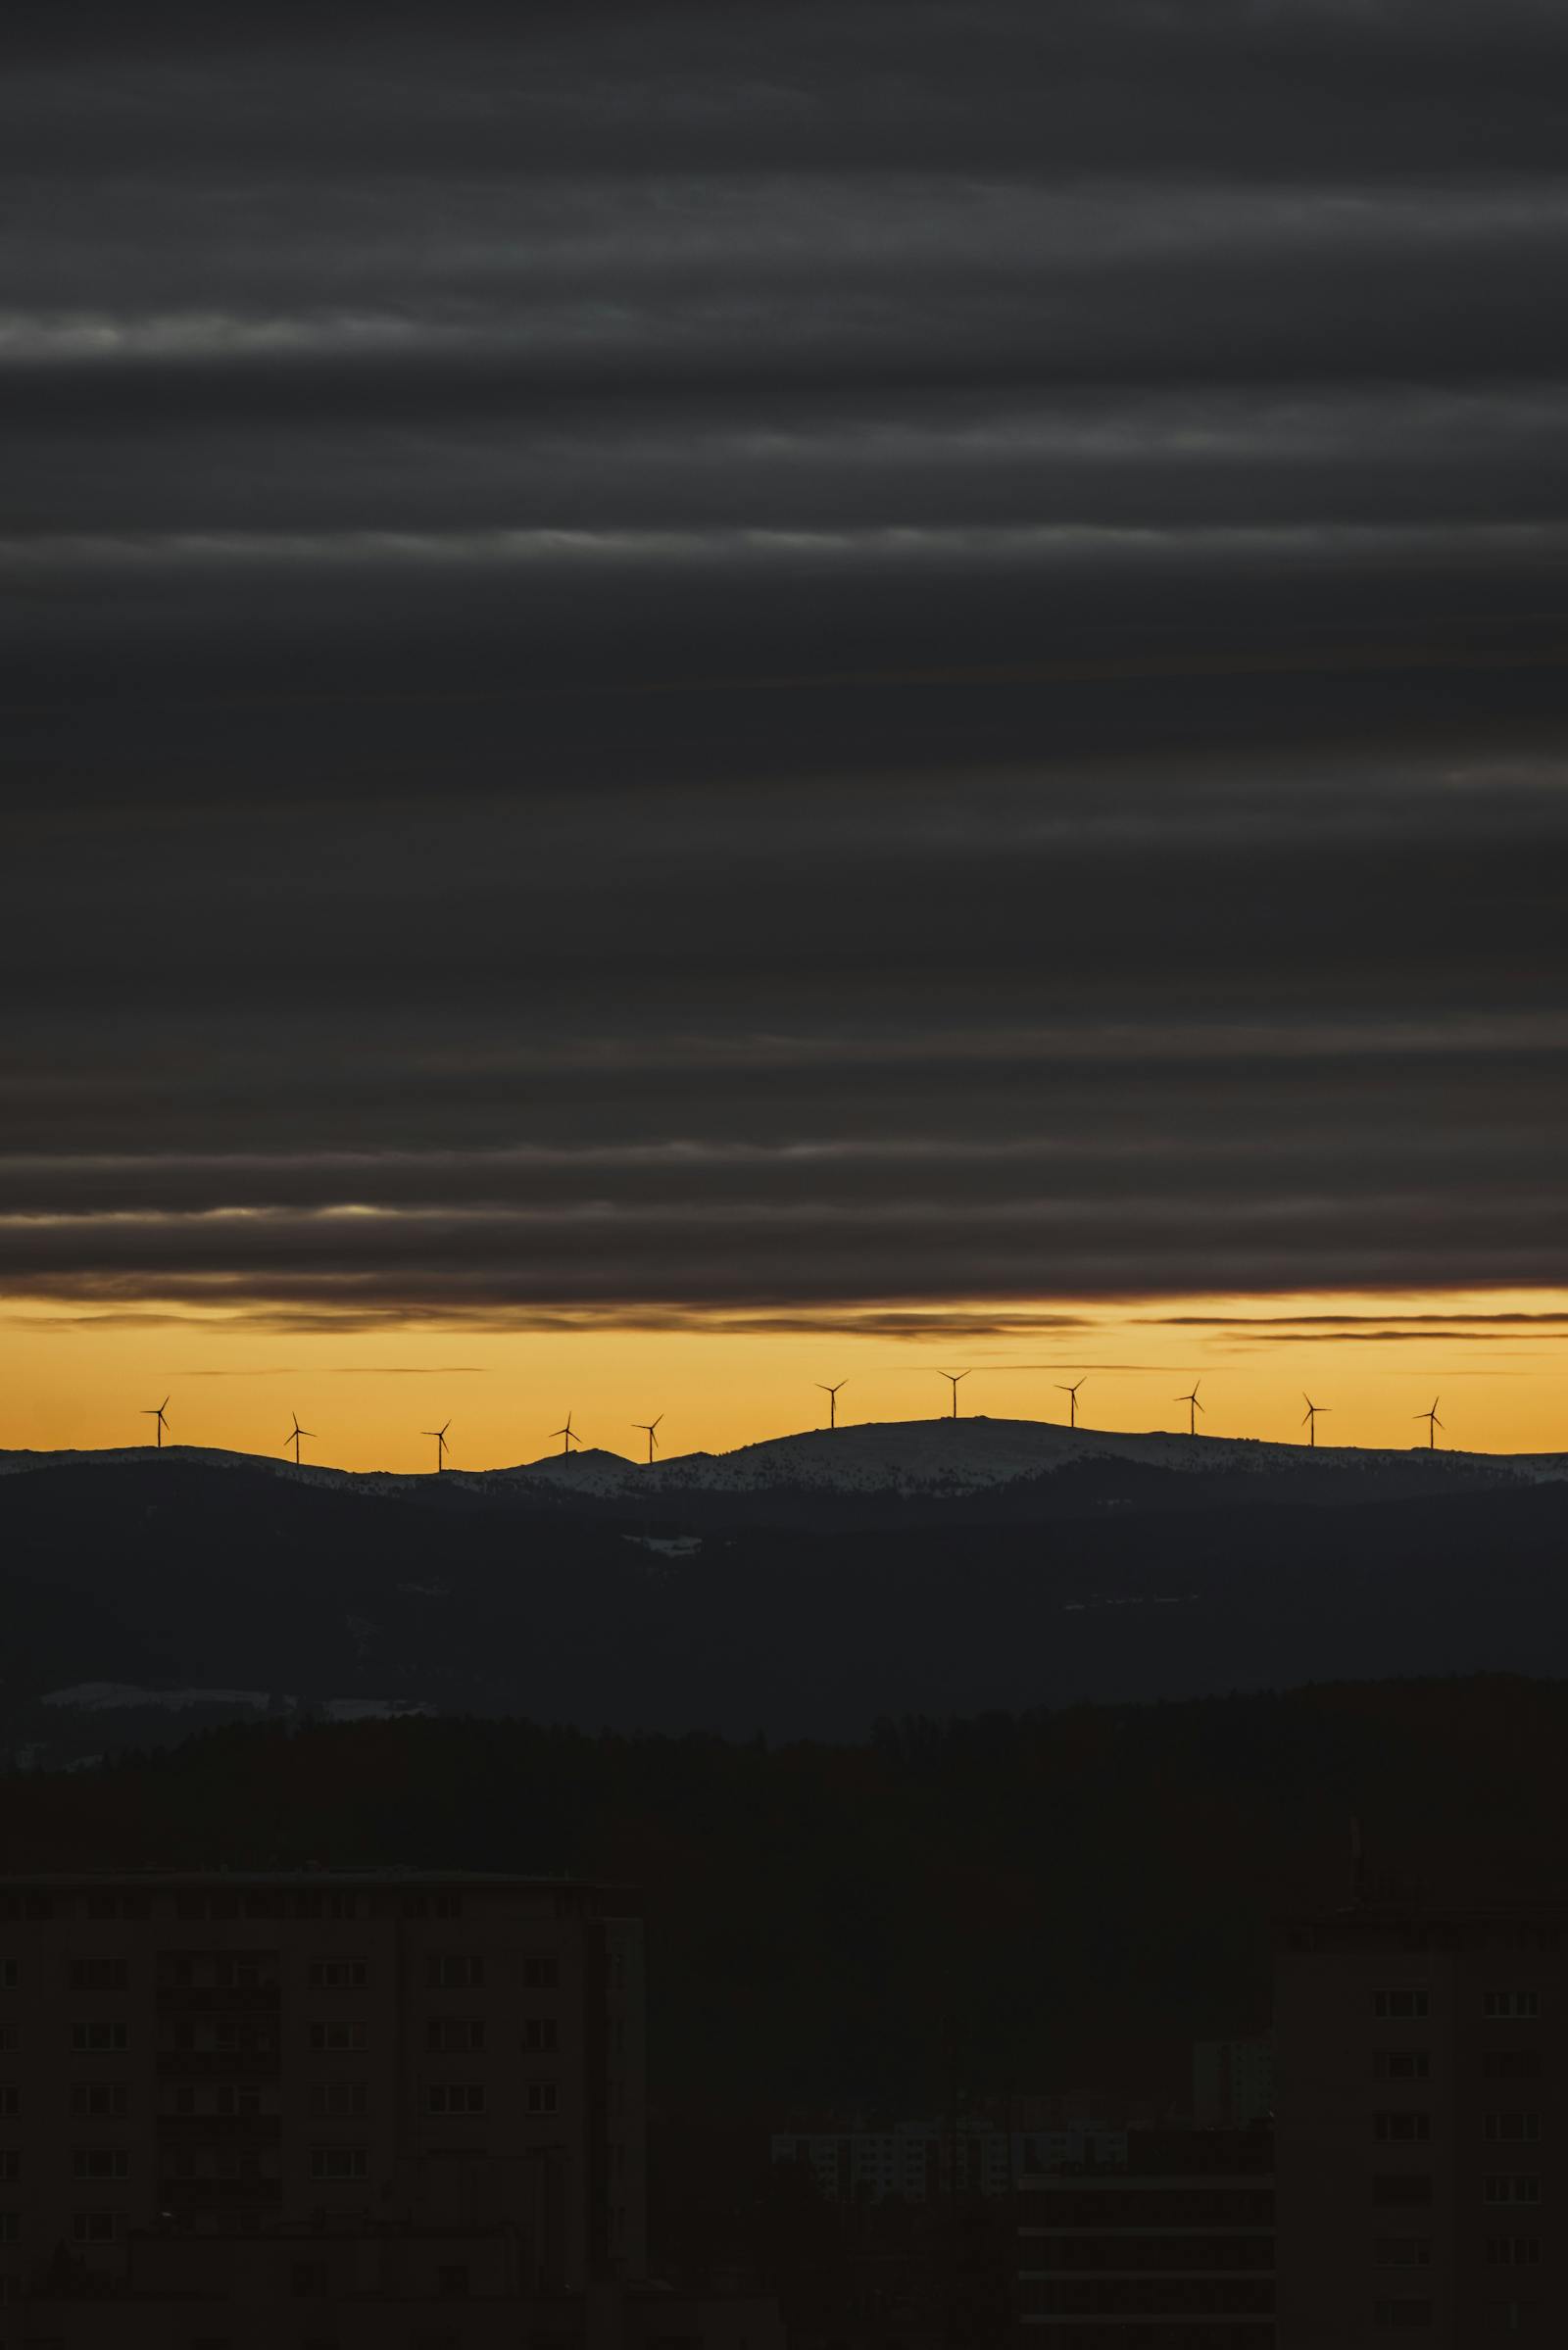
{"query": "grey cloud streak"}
(798, 660)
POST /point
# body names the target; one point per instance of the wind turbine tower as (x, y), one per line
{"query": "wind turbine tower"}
(1432, 1421)
(294, 1436)
(832, 1394)
(1309, 1417)
(1193, 1407)
(568, 1436)
(647, 1427)
(158, 1412)
(440, 1435)
(954, 1377)
(1071, 1394)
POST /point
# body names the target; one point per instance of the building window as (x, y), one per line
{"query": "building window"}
(1401, 2128)
(1512, 2128)
(307, 2280)
(8, 2226)
(100, 2100)
(10, 2163)
(1402, 2252)
(338, 1974)
(96, 2226)
(1513, 2251)
(1402, 2316)
(542, 2097)
(454, 2097)
(1511, 2064)
(337, 2038)
(454, 2035)
(1512, 2187)
(10, 1974)
(1511, 2007)
(338, 2097)
(452, 2282)
(98, 1974)
(10, 2101)
(102, 2036)
(455, 1971)
(1400, 2002)
(447, 1905)
(100, 2163)
(541, 2035)
(339, 2162)
(540, 1972)
(9, 2039)
(1396, 2188)
(1401, 2064)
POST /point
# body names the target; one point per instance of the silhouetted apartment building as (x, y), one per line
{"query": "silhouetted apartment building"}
(1233, 2083)
(1172, 2249)
(1422, 2127)
(329, 2096)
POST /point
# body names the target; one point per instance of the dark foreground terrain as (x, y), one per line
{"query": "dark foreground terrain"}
(1084, 1890)
(168, 1577)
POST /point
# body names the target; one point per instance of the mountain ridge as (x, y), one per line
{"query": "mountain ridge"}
(937, 1460)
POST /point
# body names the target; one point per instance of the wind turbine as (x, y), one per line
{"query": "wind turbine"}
(1193, 1407)
(955, 1376)
(1309, 1417)
(440, 1435)
(1072, 1394)
(157, 1411)
(570, 1435)
(647, 1427)
(1432, 1421)
(832, 1394)
(294, 1438)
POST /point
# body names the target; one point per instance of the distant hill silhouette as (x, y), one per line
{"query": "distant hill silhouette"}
(176, 1574)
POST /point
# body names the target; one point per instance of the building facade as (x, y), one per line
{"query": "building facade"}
(915, 2161)
(1233, 2083)
(1170, 2249)
(377, 2056)
(1422, 2127)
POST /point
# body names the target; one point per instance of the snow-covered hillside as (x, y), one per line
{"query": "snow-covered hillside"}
(947, 1456)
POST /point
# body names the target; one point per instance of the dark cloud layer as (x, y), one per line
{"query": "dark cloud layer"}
(753, 662)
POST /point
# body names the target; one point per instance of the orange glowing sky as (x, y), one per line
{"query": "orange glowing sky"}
(73, 1379)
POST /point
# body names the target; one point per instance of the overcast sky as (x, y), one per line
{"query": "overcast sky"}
(775, 658)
